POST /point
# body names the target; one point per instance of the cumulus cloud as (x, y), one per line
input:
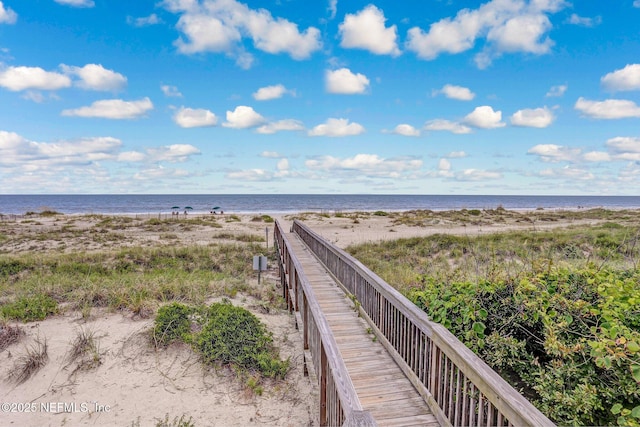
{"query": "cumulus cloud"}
(625, 148)
(484, 117)
(456, 92)
(508, 25)
(557, 91)
(608, 109)
(170, 91)
(191, 118)
(366, 30)
(220, 26)
(333, 8)
(281, 125)
(113, 109)
(25, 78)
(144, 21)
(76, 3)
(627, 78)
(243, 117)
(17, 151)
(536, 118)
(337, 127)
(370, 165)
(446, 125)
(343, 81)
(555, 153)
(406, 130)
(270, 92)
(96, 77)
(251, 175)
(7, 15)
(596, 156)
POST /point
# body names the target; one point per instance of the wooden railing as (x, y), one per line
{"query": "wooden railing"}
(459, 387)
(339, 403)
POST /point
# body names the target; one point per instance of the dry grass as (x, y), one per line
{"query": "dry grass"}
(35, 357)
(85, 351)
(10, 335)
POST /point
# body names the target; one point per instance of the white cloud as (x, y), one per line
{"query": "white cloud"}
(406, 130)
(343, 81)
(370, 165)
(536, 118)
(144, 21)
(160, 173)
(76, 3)
(446, 125)
(243, 117)
(509, 26)
(19, 152)
(191, 118)
(96, 77)
(568, 172)
(220, 26)
(484, 117)
(173, 153)
(131, 157)
(366, 30)
(627, 78)
(557, 91)
(444, 164)
(333, 8)
(270, 92)
(456, 92)
(281, 125)
(113, 109)
(23, 78)
(271, 155)
(583, 21)
(608, 109)
(477, 175)
(456, 155)
(251, 175)
(596, 156)
(636, 3)
(337, 127)
(170, 91)
(624, 144)
(7, 15)
(555, 153)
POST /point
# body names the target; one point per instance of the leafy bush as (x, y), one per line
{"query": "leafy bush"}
(30, 308)
(172, 323)
(569, 338)
(234, 336)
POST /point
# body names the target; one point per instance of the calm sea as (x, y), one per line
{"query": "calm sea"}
(283, 203)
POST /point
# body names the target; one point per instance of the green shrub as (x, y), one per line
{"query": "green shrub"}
(234, 336)
(30, 308)
(172, 323)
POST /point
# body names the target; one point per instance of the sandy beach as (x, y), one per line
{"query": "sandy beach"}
(138, 384)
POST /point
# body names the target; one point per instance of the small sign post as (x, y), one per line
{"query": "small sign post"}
(259, 264)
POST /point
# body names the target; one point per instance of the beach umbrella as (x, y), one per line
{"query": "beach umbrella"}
(216, 208)
(188, 207)
(175, 207)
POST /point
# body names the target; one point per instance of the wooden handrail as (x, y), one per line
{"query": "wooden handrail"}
(339, 402)
(460, 388)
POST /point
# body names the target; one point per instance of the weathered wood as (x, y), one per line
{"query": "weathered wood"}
(450, 364)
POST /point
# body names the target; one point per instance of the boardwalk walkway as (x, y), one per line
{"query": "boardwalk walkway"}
(382, 387)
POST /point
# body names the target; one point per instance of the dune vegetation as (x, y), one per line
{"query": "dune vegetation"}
(556, 313)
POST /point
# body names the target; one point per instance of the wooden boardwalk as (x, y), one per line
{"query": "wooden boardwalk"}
(381, 386)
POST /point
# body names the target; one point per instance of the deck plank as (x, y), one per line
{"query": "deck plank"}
(382, 387)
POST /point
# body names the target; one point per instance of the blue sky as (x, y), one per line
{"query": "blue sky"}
(291, 96)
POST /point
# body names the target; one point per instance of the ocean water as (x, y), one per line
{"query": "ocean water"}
(286, 203)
